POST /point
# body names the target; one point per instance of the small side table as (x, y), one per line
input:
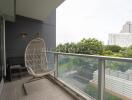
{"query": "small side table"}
(17, 71)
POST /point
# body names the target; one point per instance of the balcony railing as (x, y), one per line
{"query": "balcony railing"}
(96, 77)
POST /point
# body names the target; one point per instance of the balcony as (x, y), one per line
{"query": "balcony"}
(43, 89)
(78, 76)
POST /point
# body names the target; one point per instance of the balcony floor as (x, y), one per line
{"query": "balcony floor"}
(42, 89)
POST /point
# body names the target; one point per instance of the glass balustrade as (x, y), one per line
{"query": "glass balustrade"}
(97, 77)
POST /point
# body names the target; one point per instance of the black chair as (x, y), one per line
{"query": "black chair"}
(15, 68)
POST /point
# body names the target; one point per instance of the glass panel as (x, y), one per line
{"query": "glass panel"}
(118, 80)
(80, 73)
(50, 59)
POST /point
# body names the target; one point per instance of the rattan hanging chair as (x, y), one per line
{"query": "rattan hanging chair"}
(36, 59)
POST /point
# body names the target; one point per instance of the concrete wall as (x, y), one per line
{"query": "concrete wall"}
(7, 8)
(15, 44)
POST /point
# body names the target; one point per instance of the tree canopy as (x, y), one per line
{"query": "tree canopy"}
(85, 46)
(113, 48)
(93, 46)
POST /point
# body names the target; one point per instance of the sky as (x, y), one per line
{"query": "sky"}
(78, 19)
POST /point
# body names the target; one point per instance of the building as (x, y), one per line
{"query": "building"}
(116, 82)
(127, 28)
(124, 38)
(121, 39)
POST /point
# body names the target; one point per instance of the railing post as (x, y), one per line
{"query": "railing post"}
(101, 79)
(56, 64)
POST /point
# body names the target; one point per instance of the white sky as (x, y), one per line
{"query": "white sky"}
(77, 19)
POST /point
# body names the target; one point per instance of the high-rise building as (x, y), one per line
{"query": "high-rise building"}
(127, 28)
(124, 38)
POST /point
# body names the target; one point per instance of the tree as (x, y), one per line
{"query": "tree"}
(93, 46)
(113, 48)
(67, 48)
(60, 48)
(90, 46)
(127, 52)
(85, 46)
(107, 52)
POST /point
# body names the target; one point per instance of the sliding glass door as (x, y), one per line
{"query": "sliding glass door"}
(2, 51)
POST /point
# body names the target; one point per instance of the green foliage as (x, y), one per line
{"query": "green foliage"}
(117, 51)
(95, 47)
(60, 48)
(127, 52)
(113, 48)
(85, 46)
(67, 48)
(92, 91)
(117, 55)
(85, 66)
(66, 64)
(120, 66)
(107, 53)
(90, 46)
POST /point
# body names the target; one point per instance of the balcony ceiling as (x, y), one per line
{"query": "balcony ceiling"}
(36, 9)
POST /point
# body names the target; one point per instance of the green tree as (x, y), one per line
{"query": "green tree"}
(67, 48)
(127, 52)
(90, 46)
(93, 46)
(113, 48)
(85, 46)
(60, 48)
(107, 52)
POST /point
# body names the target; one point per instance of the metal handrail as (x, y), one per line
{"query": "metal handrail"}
(94, 56)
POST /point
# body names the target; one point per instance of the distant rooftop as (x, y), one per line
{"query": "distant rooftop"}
(127, 27)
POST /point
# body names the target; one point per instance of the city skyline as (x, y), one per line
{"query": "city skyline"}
(77, 19)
